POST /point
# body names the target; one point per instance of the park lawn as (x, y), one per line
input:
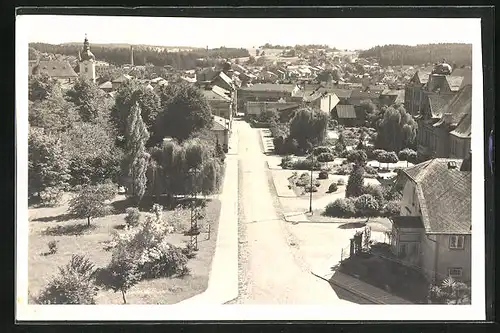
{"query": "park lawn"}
(91, 243)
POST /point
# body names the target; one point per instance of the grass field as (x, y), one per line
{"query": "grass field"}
(47, 224)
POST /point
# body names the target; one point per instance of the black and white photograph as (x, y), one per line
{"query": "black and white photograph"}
(199, 168)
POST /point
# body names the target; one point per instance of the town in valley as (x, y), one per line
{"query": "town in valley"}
(273, 174)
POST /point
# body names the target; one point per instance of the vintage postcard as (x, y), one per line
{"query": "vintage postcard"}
(187, 168)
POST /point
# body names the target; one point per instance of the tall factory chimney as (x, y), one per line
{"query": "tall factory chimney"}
(132, 55)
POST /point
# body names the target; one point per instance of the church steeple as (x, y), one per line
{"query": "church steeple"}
(86, 54)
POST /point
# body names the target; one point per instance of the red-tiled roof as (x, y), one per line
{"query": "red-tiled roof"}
(444, 195)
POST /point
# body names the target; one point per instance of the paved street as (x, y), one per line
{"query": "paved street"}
(271, 272)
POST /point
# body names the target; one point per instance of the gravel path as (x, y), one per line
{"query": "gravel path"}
(271, 269)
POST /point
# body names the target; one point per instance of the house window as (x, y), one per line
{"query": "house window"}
(456, 242)
(86, 69)
(414, 197)
(455, 271)
(402, 250)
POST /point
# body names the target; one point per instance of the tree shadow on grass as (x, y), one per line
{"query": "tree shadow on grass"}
(56, 218)
(352, 225)
(69, 230)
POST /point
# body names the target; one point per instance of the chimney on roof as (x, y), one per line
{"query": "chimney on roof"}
(452, 165)
(467, 163)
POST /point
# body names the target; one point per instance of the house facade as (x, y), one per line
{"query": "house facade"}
(445, 125)
(220, 102)
(265, 93)
(433, 233)
(220, 127)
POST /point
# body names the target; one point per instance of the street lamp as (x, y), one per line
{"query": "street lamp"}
(311, 188)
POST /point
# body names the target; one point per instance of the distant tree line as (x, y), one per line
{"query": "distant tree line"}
(144, 55)
(460, 54)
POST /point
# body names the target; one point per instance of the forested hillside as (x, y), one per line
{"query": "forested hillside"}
(143, 54)
(460, 54)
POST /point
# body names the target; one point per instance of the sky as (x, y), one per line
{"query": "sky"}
(348, 33)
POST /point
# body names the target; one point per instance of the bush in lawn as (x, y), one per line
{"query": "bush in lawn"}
(355, 182)
(333, 188)
(370, 170)
(75, 284)
(375, 191)
(345, 169)
(366, 205)
(392, 208)
(132, 217)
(323, 175)
(189, 251)
(391, 157)
(147, 245)
(286, 162)
(52, 245)
(326, 157)
(408, 155)
(290, 146)
(51, 196)
(341, 181)
(303, 180)
(306, 164)
(309, 189)
(357, 157)
(342, 207)
(321, 150)
(376, 153)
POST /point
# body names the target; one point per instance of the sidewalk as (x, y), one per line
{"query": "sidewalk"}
(354, 285)
(223, 279)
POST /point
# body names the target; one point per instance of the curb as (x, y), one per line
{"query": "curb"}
(352, 291)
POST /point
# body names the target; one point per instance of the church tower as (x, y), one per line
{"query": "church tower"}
(87, 61)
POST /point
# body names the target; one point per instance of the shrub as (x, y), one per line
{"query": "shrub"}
(52, 245)
(286, 162)
(357, 157)
(317, 151)
(345, 169)
(366, 205)
(189, 251)
(309, 189)
(323, 175)
(303, 180)
(51, 196)
(370, 170)
(392, 208)
(341, 181)
(325, 157)
(132, 217)
(74, 284)
(392, 157)
(147, 245)
(375, 191)
(343, 207)
(355, 182)
(376, 153)
(332, 188)
(306, 164)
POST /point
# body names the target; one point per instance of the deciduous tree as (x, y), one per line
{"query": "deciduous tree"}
(92, 201)
(87, 97)
(184, 111)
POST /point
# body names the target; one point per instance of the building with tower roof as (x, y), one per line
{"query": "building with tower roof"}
(86, 61)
